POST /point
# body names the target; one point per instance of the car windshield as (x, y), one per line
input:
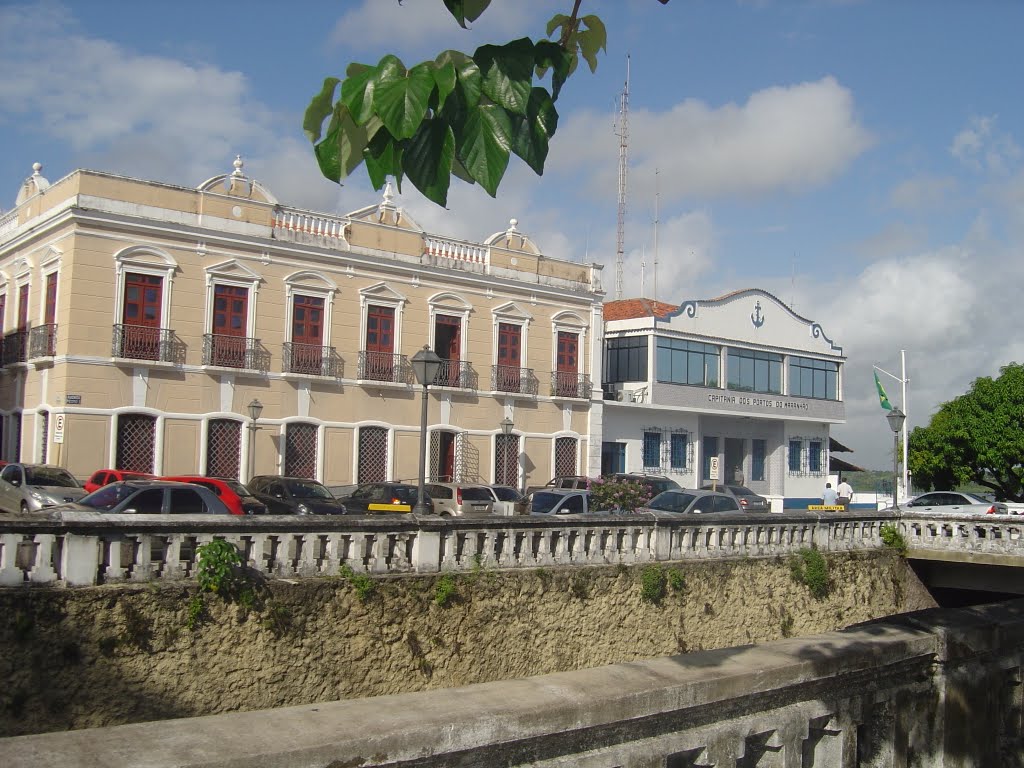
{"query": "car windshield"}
(544, 502)
(301, 489)
(109, 496)
(237, 487)
(506, 494)
(975, 499)
(50, 476)
(671, 501)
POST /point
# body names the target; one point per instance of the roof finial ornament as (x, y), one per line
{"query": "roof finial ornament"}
(238, 167)
(512, 227)
(389, 196)
(36, 168)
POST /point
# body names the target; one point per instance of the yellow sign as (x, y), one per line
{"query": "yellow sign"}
(389, 508)
(825, 508)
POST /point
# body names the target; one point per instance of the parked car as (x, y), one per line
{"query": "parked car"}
(746, 498)
(31, 487)
(102, 477)
(460, 499)
(956, 501)
(149, 497)
(655, 484)
(238, 499)
(572, 482)
(295, 496)
(563, 501)
(506, 499)
(685, 502)
(372, 498)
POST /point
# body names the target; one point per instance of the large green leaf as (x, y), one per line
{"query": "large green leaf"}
(427, 159)
(357, 92)
(383, 157)
(551, 55)
(466, 10)
(591, 40)
(400, 97)
(485, 145)
(459, 170)
(319, 108)
(341, 151)
(531, 134)
(507, 73)
(445, 79)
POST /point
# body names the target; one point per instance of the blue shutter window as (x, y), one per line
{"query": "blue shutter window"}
(678, 450)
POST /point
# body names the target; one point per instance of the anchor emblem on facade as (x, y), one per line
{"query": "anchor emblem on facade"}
(756, 318)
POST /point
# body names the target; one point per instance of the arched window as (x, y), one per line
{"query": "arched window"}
(373, 455)
(300, 450)
(566, 461)
(224, 448)
(506, 460)
(136, 438)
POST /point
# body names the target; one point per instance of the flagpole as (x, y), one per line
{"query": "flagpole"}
(906, 423)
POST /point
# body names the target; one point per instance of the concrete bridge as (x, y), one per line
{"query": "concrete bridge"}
(937, 688)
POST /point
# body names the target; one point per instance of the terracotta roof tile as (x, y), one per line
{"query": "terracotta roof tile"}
(630, 309)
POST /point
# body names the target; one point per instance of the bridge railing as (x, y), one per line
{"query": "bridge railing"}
(997, 535)
(80, 549)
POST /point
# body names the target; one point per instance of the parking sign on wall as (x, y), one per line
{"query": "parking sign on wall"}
(58, 428)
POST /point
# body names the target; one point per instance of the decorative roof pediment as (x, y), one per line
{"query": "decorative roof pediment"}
(386, 212)
(382, 292)
(232, 270)
(450, 301)
(513, 240)
(568, 318)
(511, 311)
(237, 184)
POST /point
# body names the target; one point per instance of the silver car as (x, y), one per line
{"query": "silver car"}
(460, 499)
(692, 502)
(955, 501)
(32, 487)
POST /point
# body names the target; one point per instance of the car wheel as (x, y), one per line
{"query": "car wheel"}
(24, 507)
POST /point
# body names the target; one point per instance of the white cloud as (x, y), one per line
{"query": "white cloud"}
(981, 147)
(782, 139)
(922, 192)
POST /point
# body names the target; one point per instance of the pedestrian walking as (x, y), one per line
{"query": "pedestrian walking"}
(844, 495)
(829, 495)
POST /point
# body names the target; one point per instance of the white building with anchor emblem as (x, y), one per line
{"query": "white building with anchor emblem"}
(741, 377)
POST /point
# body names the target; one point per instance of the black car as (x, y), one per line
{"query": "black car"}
(295, 496)
(372, 498)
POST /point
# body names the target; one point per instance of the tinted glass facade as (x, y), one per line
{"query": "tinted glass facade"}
(753, 371)
(813, 378)
(626, 359)
(688, 362)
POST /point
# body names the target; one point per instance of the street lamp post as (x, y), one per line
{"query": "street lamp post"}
(255, 409)
(506, 430)
(425, 365)
(895, 417)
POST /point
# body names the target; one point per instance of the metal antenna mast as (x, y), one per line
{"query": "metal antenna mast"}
(657, 199)
(622, 131)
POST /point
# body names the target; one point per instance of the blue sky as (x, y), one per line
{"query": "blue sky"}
(860, 160)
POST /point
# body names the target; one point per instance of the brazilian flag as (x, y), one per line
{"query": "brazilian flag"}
(883, 399)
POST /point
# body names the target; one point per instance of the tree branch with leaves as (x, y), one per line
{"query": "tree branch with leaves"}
(457, 115)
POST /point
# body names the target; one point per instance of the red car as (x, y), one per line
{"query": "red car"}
(103, 477)
(236, 497)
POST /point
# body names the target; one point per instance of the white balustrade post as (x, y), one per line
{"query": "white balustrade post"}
(10, 573)
(42, 572)
(426, 551)
(80, 560)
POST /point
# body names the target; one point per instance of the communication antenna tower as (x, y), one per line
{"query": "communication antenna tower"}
(622, 131)
(657, 198)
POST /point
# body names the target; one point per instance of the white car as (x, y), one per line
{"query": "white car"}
(956, 502)
(32, 487)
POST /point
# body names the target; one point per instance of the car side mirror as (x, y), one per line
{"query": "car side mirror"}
(129, 511)
(16, 483)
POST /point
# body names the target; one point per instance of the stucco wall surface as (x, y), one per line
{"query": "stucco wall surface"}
(78, 658)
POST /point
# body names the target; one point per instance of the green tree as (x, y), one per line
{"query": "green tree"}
(457, 114)
(977, 437)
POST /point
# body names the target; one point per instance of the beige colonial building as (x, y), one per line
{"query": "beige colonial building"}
(140, 321)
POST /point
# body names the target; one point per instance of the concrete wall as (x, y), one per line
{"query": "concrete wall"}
(79, 658)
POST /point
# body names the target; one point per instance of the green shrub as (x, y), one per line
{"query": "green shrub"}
(364, 586)
(808, 567)
(626, 495)
(676, 580)
(892, 538)
(653, 584)
(446, 591)
(218, 568)
(196, 612)
(277, 619)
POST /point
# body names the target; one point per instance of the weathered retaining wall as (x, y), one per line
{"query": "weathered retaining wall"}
(79, 658)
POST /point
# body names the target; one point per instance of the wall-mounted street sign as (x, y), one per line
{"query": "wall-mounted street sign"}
(58, 428)
(73, 399)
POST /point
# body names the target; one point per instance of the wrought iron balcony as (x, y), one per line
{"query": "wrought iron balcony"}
(235, 352)
(570, 384)
(456, 373)
(508, 378)
(16, 347)
(384, 366)
(311, 360)
(141, 342)
(42, 341)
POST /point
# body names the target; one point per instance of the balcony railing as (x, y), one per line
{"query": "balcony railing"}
(42, 341)
(311, 360)
(507, 378)
(141, 342)
(16, 347)
(235, 352)
(456, 373)
(384, 366)
(570, 384)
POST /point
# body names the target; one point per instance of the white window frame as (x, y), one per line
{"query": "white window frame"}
(314, 284)
(455, 306)
(569, 322)
(144, 260)
(232, 273)
(512, 314)
(381, 295)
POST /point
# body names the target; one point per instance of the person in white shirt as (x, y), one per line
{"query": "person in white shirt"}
(844, 493)
(829, 495)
